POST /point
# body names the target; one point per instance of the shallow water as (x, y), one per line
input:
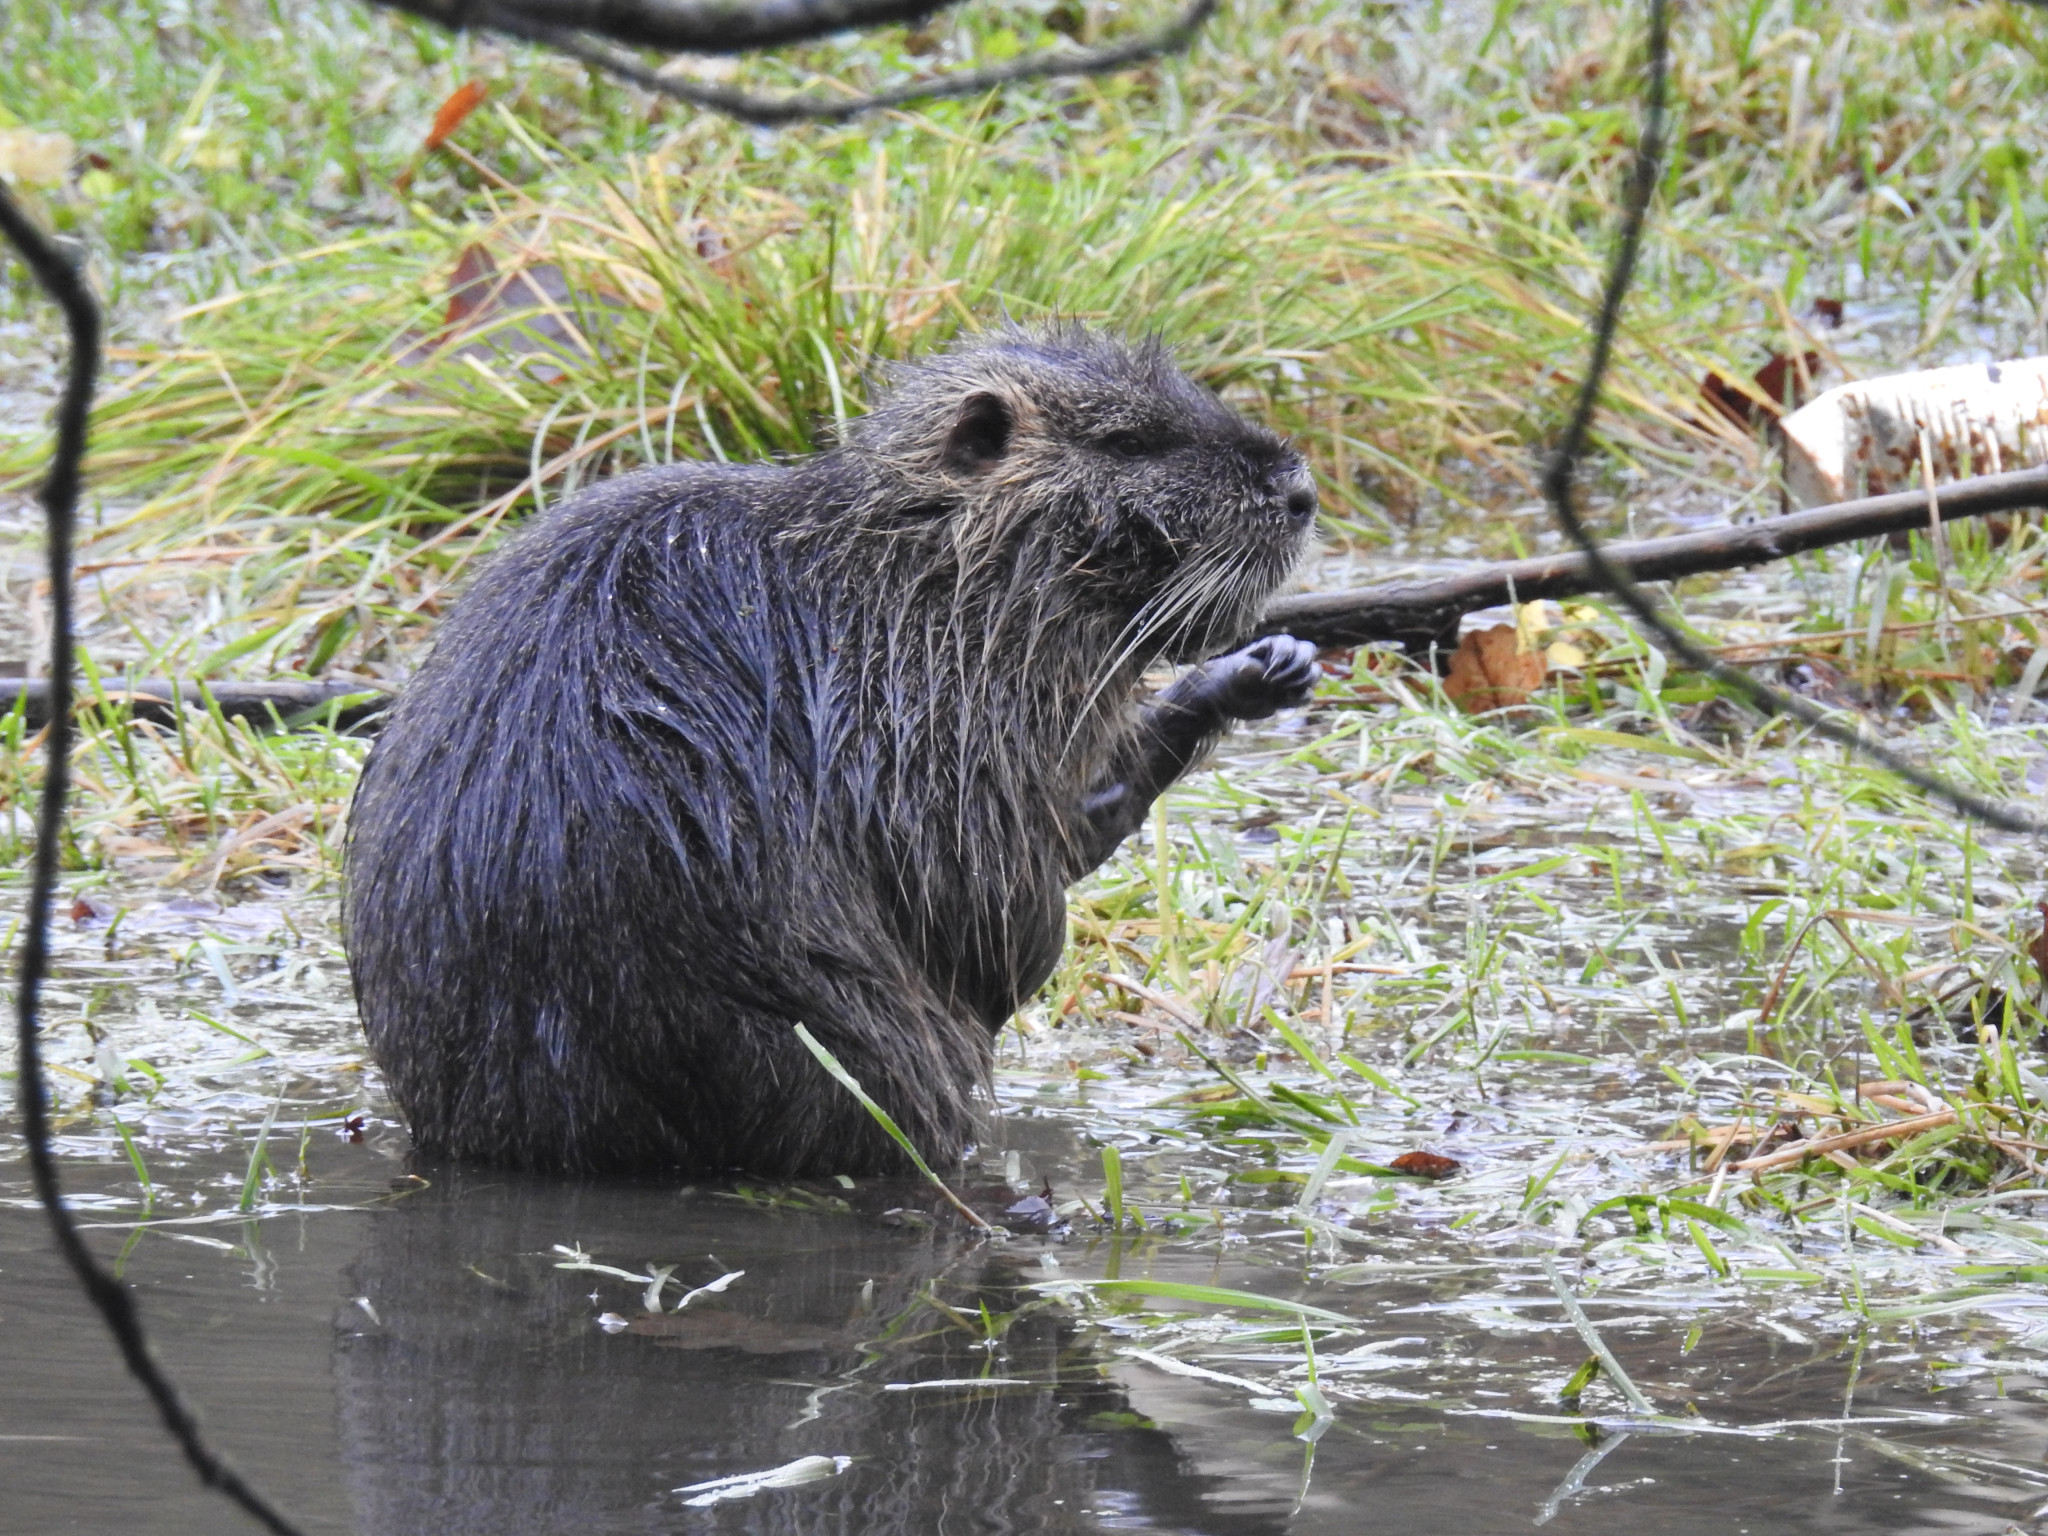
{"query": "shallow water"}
(394, 1349)
(420, 1363)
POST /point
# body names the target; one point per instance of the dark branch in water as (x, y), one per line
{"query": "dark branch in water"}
(1562, 471)
(66, 286)
(159, 698)
(555, 24)
(1419, 613)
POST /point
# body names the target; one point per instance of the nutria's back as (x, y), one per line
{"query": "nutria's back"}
(712, 751)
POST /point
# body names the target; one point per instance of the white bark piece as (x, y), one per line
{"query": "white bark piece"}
(1868, 438)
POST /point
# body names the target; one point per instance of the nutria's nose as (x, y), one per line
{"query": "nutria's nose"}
(1301, 499)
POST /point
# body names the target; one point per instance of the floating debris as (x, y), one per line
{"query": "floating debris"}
(1876, 435)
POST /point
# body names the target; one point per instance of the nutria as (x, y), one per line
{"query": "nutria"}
(714, 750)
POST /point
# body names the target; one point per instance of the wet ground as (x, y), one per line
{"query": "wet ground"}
(393, 1348)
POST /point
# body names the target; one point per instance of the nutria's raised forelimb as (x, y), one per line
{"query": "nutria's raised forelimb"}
(712, 751)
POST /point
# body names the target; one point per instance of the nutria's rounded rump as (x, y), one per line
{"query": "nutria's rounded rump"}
(712, 751)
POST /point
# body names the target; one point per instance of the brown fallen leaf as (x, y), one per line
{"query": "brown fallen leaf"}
(1727, 399)
(88, 910)
(449, 116)
(1778, 381)
(713, 249)
(484, 301)
(1491, 670)
(469, 285)
(1426, 1165)
(1784, 383)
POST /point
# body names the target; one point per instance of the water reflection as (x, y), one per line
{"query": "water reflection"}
(479, 1391)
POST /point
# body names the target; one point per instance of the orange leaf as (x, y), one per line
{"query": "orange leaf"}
(1490, 670)
(462, 101)
(1426, 1165)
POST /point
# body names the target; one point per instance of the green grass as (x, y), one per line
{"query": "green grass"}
(1380, 233)
(1582, 987)
(1380, 320)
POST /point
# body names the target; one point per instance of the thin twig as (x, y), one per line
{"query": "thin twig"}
(66, 286)
(160, 699)
(1835, 920)
(1947, 1245)
(774, 111)
(1177, 1011)
(1796, 646)
(1561, 472)
(1820, 1146)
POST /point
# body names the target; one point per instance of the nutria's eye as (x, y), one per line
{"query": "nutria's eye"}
(1125, 445)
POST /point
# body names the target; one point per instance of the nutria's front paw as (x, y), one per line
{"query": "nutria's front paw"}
(1278, 672)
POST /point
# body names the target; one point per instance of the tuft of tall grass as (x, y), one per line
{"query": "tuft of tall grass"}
(1394, 323)
(1379, 230)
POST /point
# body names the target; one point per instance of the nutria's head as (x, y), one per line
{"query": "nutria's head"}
(1143, 494)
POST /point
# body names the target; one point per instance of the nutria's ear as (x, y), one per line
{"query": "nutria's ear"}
(980, 435)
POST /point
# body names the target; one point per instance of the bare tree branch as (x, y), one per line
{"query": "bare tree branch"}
(1562, 471)
(680, 26)
(534, 21)
(66, 285)
(1418, 613)
(1425, 612)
